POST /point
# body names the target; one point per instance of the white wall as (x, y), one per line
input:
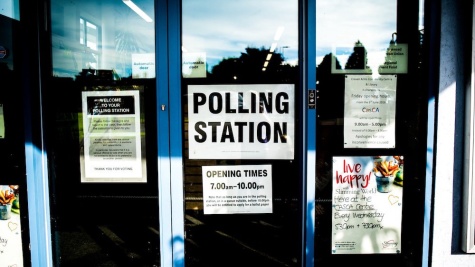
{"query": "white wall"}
(448, 173)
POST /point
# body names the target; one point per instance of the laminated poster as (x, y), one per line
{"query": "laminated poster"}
(113, 144)
(253, 121)
(367, 205)
(11, 247)
(237, 189)
(2, 123)
(370, 111)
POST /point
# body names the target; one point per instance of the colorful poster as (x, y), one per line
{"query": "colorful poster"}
(367, 205)
(237, 189)
(11, 246)
(254, 121)
(370, 111)
(113, 145)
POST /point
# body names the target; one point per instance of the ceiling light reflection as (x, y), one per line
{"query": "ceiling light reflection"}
(137, 10)
(278, 33)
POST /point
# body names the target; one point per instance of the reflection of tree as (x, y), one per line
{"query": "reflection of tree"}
(330, 88)
(357, 59)
(390, 60)
(330, 109)
(131, 36)
(248, 68)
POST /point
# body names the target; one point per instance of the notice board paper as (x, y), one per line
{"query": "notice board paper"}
(366, 205)
(370, 111)
(237, 189)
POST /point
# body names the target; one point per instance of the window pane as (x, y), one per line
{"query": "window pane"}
(369, 77)
(102, 129)
(240, 85)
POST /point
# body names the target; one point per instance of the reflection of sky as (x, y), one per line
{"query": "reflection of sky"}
(224, 29)
(10, 8)
(122, 33)
(341, 23)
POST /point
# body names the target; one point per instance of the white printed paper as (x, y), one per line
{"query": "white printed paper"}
(241, 121)
(2, 123)
(237, 189)
(112, 137)
(370, 111)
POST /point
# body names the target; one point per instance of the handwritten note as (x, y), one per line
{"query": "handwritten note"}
(11, 252)
(366, 216)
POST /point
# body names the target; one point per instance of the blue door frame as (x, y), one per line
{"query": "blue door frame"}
(168, 58)
(170, 163)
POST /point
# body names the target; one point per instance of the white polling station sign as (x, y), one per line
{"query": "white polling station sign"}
(254, 121)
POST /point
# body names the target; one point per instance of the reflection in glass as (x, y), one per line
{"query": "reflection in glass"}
(346, 29)
(108, 48)
(105, 35)
(240, 43)
(367, 38)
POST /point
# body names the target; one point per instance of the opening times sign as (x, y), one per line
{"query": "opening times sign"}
(112, 137)
(367, 205)
(237, 189)
(241, 121)
(370, 111)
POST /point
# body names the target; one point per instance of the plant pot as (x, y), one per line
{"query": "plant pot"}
(5, 211)
(384, 183)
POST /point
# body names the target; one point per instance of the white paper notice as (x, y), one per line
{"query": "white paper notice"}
(370, 111)
(112, 137)
(194, 65)
(367, 205)
(11, 246)
(143, 65)
(395, 60)
(254, 121)
(2, 123)
(237, 189)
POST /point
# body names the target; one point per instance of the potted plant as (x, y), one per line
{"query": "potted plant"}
(6, 199)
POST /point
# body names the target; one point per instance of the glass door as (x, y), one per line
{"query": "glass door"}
(371, 132)
(14, 223)
(241, 141)
(102, 134)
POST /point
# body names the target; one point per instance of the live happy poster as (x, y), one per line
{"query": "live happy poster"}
(367, 204)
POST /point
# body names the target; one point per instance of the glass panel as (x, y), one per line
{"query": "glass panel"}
(11, 9)
(240, 85)
(370, 133)
(14, 226)
(102, 129)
